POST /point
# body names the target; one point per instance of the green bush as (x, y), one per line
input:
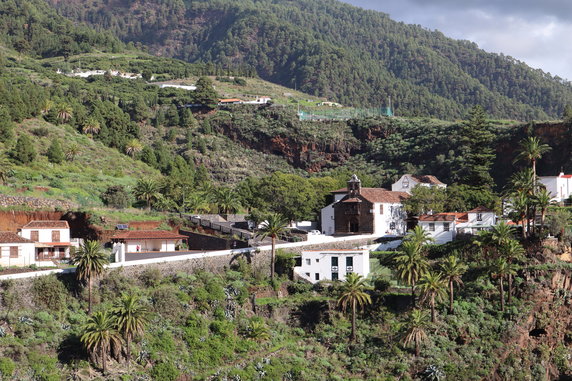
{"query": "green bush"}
(164, 371)
(43, 366)
(49, 293)
(7, 368)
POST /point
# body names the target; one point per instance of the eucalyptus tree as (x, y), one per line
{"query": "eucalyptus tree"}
(353, 295)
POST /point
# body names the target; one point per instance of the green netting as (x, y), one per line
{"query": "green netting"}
(343, 113)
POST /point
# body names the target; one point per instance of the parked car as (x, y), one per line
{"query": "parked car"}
(315, 232)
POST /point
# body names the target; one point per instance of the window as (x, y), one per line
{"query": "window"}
(308, 275)
(335, 276)
(392, 225)
(479, 216)
(13, 251)
(308, 261)
(35, 235)
(55, 236)
(446, 226)
(334, 261)
(317, 260)
(405, 183)
(380, 208)
(431, 226)
(317, 276)
(349, 261)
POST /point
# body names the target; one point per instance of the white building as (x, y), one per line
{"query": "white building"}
(444, 227)
(183, 87)
(52, 239)
(560, 187)
(16, 250)
(137, 241)
(320, 265)
(407, 182)
(259, 101)
(327, 213)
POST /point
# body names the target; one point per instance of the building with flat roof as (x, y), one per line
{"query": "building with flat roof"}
(318, 265)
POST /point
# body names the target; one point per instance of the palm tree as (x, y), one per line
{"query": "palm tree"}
(501, 234)
(416, 330)
(543, 198)
(196, 203)
(132, 317)
(147, 190)
(258, 331)
(411, 265)
(419, 236)
(90, 260)
(47, 106)
(64, 112)
(531, 149)
(433, 287)
(91, 126)
(453, 270)
(226, 200)
(353, 295)
(133, 147)
(501, 269)
(100, 334)
(519, 203)
(512, 250)
(5, 169)
(274, 225)
(72, 152)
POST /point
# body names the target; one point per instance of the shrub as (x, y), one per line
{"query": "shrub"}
(49, 293)
(285, 262)
(7, 368)
(151, 277)
(164, 371)
(41, 131)
(117, 197)
(44, 367)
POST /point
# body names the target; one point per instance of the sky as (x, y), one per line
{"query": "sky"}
(536, 32)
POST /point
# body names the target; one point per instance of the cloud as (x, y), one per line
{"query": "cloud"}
(530, 31)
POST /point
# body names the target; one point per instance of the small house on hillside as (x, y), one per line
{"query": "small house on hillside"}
(16, 250)
(358, 210)
(320, 265)
(147, 240)
(560, 187)
(407, 182)
(444, 227)
(230, 101)
(52, 239)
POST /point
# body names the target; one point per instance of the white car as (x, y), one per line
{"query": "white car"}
(315, 232)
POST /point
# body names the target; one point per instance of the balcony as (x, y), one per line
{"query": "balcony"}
(349, 269)
(334, 269)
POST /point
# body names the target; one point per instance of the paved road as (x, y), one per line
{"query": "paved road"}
(156, 254)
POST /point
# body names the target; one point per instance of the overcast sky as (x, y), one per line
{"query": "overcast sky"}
(538, 32)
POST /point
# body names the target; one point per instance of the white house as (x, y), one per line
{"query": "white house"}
(136, 241)
(444, 227)
(183, 87)
(358, 210)
(407, 182)
(52, 239)
(320, 265)
(259, 101)
(560, 187)
(16, 250)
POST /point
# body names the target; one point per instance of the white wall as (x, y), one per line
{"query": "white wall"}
(151, 245)
(45, 235)
(26, 254)
(398, 185)
(440, 235)
(392, 213)
(327, 220)
(560, 188)
(320, 262)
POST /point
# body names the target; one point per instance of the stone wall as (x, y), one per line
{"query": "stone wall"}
(35, 203)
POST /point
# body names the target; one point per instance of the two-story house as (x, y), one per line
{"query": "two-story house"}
(358, 210)
(52, 239)
(318, 265)
(560, 187)
(407, 182)
(444, 227)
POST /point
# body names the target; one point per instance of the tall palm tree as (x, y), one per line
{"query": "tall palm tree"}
(543, 198)
(64, 112)
(512, 250)
(226, 200)
(133, 147)
(500, 270)
(72, 151)
(416, 333)
(411, 265)
(419, 236)
(196, 202)
(501, 234)
(90, 260)
(433, 287)
(131, 318)
(453, 270)
(91, 126)
(531, 149)
(100, 334)
(5, 169)
(353, 295)
(146, 190)
(274, 225)
(519, 203)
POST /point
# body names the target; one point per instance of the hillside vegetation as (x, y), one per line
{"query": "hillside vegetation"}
(334, 50)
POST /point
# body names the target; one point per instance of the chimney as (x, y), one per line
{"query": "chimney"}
(354, 186)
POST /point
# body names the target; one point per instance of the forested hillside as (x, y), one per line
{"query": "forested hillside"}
(332, 49)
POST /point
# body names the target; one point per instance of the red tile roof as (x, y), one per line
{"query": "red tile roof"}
(9, 237)
(480, 209)
(46, 225)
(460, 217)
(427, 179)
(147, 234)
(383, 196)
